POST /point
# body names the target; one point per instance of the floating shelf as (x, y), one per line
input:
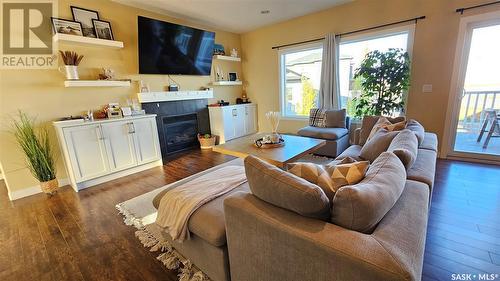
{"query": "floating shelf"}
(227, 83)
(87, 41)
(229, 58)
(96, 83)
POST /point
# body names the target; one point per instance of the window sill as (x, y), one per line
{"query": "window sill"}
(290, 118)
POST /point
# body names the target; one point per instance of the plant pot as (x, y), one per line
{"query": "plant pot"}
(49, 187)
(71, 72)
(206, 143)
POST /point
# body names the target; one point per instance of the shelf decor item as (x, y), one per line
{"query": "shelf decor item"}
(71, 61)
(103, 29)
(219, 49)
(85, 17)
(67, 27)
(207, 141)
(38, 152)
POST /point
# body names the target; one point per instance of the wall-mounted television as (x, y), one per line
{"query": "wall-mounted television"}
(167, 48)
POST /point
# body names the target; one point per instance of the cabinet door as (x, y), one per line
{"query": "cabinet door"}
(250, 122)
(87, 151)
(228, 115)
(239, 121)
(146, 140)
(119, 145)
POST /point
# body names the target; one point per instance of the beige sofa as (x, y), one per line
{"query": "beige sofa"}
(266, 242)
(240, 237)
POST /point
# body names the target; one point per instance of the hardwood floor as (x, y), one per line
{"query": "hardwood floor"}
(81, 236)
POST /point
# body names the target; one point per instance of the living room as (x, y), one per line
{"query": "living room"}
(269, 121)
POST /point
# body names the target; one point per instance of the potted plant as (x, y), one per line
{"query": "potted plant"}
(385, 79)
(38, 152)
(71, 61)
(207, 141)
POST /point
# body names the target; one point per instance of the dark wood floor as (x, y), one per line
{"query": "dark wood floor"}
(80, 236)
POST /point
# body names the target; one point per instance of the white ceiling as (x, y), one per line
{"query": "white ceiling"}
(237, 16)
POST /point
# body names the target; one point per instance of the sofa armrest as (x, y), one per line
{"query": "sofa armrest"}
(357, 133)
(266, 242)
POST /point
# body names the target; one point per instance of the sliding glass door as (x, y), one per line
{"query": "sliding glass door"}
(476, 133)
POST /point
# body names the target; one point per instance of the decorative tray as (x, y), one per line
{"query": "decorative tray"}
(259, 144)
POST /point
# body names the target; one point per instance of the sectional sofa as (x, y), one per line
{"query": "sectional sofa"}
(244, 236)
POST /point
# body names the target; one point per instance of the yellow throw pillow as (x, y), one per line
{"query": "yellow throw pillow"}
(331, 177)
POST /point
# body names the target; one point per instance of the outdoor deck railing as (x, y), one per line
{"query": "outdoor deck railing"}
(473, 105)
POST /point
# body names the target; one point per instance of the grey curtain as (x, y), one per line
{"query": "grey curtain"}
(329, 93)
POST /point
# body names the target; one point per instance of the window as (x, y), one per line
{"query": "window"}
(300, 76)
(353, 50)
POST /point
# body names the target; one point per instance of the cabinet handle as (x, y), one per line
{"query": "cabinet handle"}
(100, 134)
(131, 128)
(235, 112)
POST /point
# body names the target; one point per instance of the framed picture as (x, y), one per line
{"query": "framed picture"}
(66, 26)
(103, 29)
(219, 49)
(85, 17)
(233, 76)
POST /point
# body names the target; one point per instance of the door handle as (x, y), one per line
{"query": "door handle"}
(131, 128)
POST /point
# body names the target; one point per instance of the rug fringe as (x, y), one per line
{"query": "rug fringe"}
(169, 257)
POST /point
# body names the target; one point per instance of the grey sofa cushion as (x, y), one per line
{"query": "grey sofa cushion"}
(285, 190)
(352, 151)
(430, 142)
(368, 123)
(424, 168)
(362, 206)
(405, 146)
(377, 144)
(208, 221)
(323, 133)
(417, 128)
(336, 118)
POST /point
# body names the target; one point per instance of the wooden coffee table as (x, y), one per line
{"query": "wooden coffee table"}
(295, 148)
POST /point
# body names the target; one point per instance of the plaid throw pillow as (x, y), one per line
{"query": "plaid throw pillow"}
(317, 117)
(333, 176)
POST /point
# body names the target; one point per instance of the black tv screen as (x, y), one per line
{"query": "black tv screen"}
(167, 48)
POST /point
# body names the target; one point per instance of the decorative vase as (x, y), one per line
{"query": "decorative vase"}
(71, 72)
(49, 187)
(275, 137)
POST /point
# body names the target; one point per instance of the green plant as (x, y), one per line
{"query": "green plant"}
(36, 148)
(309, 96)
(385, 78)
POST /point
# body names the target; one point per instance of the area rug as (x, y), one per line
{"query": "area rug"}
(140, 213)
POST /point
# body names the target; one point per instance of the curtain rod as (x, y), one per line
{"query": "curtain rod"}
(461, 10)
(352, 32)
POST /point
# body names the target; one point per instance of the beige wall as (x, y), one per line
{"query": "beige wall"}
(41, 93)
(433, 51)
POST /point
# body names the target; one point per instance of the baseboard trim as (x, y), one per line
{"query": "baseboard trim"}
(25, 192)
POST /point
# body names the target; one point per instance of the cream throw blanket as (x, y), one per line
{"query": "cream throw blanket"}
(178, 204)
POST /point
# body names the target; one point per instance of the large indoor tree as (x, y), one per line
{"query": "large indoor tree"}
(385, 79)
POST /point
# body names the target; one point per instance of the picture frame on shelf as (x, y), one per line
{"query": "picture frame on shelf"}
(232, 76)
(219, 49)
(63, 26)
(85, 17)
(103, 29)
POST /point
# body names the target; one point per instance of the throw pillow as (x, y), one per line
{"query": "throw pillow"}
(368, 123)
(377, 144)
(317, 117)
(416, 128)
(385, 123)
(285, 190)
(333, 176)
(362, 206)
(405, 146)
(336, 118)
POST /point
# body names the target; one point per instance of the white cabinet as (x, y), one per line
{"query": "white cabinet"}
(87, 152)
(99, 151)
(118, 137)
(233, 121)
